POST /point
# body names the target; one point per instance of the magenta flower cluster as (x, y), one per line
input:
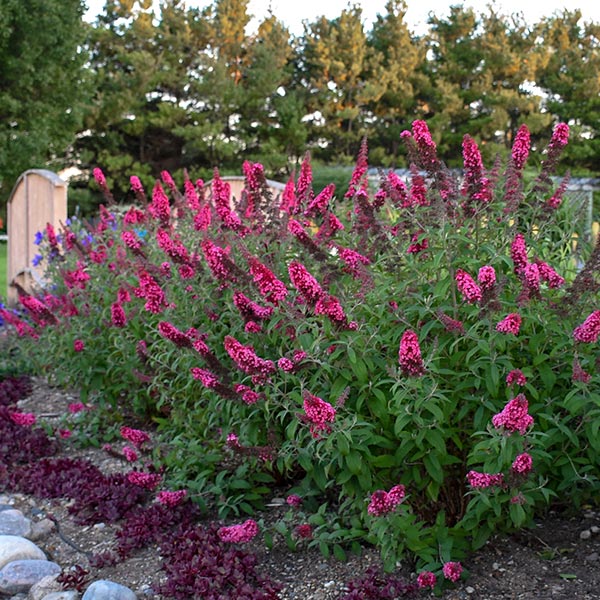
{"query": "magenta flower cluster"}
(319, 414)
(482, 481)
(511, 324)
(516, 377)
(238, 534)
(148, 481)
(452, 571)
(136, 436)
(171, 498)
(470, 291)
(304, 282)
(246, 359)
(486, 277)
(426, 579)
(522, 464)
(589, 331)
(271, 289)
(383, 502)
(514, 416)
(409, 355)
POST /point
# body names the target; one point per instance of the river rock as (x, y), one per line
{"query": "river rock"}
(18, 576)
(13, 547)
(70, 595)
(41, 529)
(14, 522)
(108, 590)
(43, 587)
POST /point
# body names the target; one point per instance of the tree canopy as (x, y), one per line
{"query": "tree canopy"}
(43, 90)
(172, 87)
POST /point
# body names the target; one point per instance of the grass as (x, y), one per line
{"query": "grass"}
(3, 267)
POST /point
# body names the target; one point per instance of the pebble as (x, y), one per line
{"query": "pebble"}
(41, 529)
(592, 557)
(19, 575)
(586, 534)
(595, 529)
(5, 507)
(14, 522)
(70, 595)
(470, 590)
(13, 547)
(108, 590)
(43, 587)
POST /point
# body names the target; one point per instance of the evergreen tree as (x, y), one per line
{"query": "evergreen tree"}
(395, 64)
(569, 73)
(42, 83)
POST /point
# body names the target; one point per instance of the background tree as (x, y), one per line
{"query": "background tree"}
(568, 72)
(42, 83)
(334, 58)
(396, 58)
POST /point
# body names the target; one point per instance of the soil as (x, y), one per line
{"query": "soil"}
(558, 559)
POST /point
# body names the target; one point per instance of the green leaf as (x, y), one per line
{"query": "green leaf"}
(354, 462)
(324, 549)
(339, 553)
(434, 469)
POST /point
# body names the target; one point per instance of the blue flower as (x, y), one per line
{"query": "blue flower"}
(37, 259)
(39, 238)
(141, 233)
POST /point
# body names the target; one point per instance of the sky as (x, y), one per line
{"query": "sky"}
(293, 12)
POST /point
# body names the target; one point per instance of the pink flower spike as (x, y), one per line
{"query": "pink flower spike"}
(426, 579)
(78, 346)
(383, 502)
(239, 533)
(319, 414)
(481, 481)
(304, 531)
(510, 324)
(130, 454)
(409, 355)
(452, 571)
(22, 419)
(520, 149)
(294, 500)
(486, 277)
(514, 416)
(516, 377)
(171, 499)
(578, 373)
(470, 291)
(518, 253)
(589, 331)
(135, 436)
(522, 464)
(148, 481)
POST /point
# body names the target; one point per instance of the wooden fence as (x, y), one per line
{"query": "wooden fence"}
(38, 197)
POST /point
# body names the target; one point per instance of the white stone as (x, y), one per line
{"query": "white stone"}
(586, 534)
(13, 547)
(43, 587)
(70, 595)
(41, 529)
(108, 590)
(14, 522)
(19, 576)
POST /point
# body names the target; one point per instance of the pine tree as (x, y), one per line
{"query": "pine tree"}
(42, 83)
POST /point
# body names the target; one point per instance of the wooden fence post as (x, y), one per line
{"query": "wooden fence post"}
(38, 197)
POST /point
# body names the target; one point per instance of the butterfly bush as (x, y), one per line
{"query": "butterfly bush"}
(341, 343)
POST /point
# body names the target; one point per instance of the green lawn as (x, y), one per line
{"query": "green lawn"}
(3, 266)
